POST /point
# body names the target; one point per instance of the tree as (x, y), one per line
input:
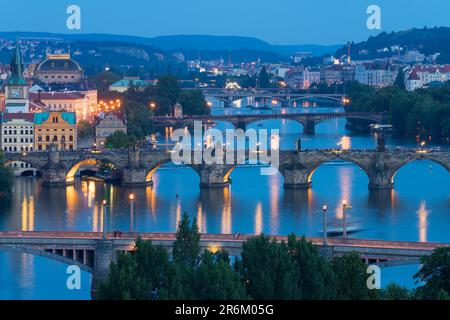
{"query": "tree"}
(186, 248)
(216, 280)
(193, 102)
(124, 281)
(351, 277)
(139, 119)
(118, 140)
(435, 273)
(395, 292)
(264, 78)
(6, 178)
(268, 270)
(85, 129)
(168, 94)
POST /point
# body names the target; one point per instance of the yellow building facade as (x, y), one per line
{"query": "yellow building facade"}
(56, 129)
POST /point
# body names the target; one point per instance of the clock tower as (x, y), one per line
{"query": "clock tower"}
(16, 88)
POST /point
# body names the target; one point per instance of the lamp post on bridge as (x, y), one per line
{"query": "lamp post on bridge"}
(131, 198)
(104, 204)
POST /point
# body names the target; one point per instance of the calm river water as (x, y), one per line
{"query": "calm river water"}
(418, 209)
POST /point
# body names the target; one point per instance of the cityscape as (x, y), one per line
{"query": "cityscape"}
(213, 165)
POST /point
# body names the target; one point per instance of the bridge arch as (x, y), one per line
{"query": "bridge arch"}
(340, 159)
(397, 168)
(94, 161)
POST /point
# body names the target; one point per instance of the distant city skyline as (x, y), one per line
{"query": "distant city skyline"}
(284, 22)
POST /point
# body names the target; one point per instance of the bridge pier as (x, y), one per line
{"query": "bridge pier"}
(309, 127)
(54, 172)
(134, 173)
(295, 178)
(103, 256)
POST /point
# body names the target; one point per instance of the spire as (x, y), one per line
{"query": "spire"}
(16, 68)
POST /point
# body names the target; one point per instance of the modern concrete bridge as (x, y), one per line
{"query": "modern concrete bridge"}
(307, 120)
(297, 167)
(93, 254)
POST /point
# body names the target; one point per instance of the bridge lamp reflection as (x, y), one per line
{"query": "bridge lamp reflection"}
(325, 232)
(131, 198)
(104, 204)
(345, 206)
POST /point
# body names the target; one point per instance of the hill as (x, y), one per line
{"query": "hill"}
(426, 40)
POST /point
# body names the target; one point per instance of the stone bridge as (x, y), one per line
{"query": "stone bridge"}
(307, 120)
(94, 254)
(297, 167)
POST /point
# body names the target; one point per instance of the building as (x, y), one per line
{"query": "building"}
(124, 84)
(302, 78)
(83, 103)
(17, 132)
(331, 75)
(58, 69)
(16, 88)
(56, 129)
(377, 75)
(107, 125)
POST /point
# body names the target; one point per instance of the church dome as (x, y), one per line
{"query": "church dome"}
(58, 63)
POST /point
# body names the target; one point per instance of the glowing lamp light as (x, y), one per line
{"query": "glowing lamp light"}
(104, 202)
(131, 196)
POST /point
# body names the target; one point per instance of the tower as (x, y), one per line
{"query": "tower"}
(16, 88)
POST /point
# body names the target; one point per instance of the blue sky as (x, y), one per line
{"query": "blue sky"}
(275, 21)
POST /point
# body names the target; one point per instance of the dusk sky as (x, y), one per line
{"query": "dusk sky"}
(278, 22)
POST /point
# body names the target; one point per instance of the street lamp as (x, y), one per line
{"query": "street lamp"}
(104, 204)
(324, 209)
(131, 198)
(345, 206)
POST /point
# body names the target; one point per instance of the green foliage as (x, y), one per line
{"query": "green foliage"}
(85, 129)
(6, 178)
(186, 248)
(395, 292)
(268, 270)
(435, 273)
(216, 280)
(422, 114)
(193, 102)
(316, 278)
(118, 140)
(351, 277)
(264, 78)
(139, 119)
(167, 94)
(124, 281)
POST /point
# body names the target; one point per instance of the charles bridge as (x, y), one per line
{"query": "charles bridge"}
(94, 251)
(240, 121)
(297, 167)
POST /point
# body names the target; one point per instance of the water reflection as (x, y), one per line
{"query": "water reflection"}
(422, 213)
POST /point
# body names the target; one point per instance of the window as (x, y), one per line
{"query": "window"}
(39, 147)
(47, 138)
(70, 138)
(55, 138)
(39, 138)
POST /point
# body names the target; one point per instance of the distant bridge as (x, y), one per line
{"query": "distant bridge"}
(93, 254)
(297, 167)
(308, 120)
(283, 96)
